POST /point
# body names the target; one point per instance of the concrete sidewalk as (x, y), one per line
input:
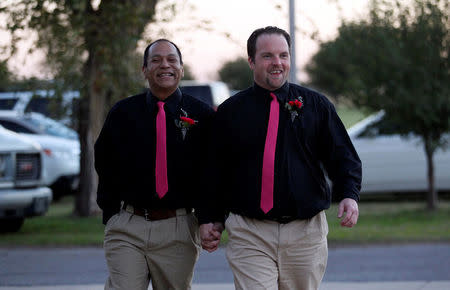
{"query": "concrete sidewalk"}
(417, 285)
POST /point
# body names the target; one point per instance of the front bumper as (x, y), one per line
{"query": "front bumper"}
(24, 202)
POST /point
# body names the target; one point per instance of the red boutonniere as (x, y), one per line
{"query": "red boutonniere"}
(294, 107)
(185, 123)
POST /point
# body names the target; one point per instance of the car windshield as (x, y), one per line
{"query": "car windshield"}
(51, 127)
(8, 104)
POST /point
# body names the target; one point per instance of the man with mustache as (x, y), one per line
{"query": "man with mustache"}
(148, 156)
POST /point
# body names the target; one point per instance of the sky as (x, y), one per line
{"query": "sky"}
(205, 50)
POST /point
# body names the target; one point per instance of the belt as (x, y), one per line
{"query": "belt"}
(283, 219)
(156, 214)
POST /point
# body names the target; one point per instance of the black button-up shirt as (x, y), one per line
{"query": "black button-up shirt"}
(126, 149)
(313, 143)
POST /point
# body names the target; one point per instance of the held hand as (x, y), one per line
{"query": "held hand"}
(350, 207)
(218, 227)
(210, 236)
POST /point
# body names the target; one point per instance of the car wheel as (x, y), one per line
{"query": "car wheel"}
(11, 225)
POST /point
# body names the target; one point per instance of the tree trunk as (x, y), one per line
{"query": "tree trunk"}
(97, 117)
(432, 197)
(91, 116)
(83, 199)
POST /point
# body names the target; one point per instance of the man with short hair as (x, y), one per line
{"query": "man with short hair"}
(272, 145)
(147, 157)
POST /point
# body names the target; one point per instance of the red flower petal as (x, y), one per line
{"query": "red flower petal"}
(187, 120)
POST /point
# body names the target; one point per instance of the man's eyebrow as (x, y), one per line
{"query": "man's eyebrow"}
(160, 55)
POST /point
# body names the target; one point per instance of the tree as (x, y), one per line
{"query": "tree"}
(396, 60)
(188, 75)
(91, 47)
(237, 74)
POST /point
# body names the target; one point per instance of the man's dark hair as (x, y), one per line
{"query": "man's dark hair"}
(156, 41)
(251, 42)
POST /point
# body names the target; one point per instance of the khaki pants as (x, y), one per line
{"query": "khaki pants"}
(268, 255)
(163, 251)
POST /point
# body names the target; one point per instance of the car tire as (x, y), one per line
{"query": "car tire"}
(11, 225)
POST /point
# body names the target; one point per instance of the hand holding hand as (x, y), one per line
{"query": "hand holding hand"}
(350, 207)
(210, 236)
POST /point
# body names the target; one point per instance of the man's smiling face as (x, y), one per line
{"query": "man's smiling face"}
(164, 69)
(272, 61)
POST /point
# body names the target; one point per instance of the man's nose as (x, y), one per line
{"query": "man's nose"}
(276, 60)
(164, 62)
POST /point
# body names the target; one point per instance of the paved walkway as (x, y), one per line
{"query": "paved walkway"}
(418, 285)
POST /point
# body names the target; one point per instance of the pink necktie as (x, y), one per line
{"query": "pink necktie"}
(269, 156)
(161, 155)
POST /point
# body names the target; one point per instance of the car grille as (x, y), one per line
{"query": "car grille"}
(28, 166)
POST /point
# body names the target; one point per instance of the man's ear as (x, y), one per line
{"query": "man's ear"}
(144, 69)
(251, 63)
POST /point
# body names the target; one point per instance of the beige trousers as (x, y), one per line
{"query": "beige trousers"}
(268, 255)
(139, 251)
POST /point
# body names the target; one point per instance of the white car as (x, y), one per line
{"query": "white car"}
(391, 163)
(21, 192)
(39, 101)
(60, 144)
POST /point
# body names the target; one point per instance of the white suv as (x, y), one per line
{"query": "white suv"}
(21, 192)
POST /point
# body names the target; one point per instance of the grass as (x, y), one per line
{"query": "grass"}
(395, 221)
(57, 228)
(350, 116)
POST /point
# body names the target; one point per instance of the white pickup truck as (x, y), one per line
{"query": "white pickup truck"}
(21, 192)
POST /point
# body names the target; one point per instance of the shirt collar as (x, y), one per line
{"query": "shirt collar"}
(282, 92)
(172, 102)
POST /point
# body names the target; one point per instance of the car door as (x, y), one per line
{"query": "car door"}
(390, 162)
